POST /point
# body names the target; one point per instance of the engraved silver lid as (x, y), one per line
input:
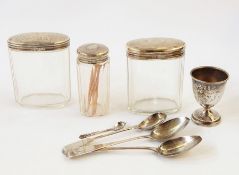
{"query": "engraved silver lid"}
(92, 53)
(38, 41)
(155, 48)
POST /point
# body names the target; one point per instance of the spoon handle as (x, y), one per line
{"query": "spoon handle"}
(83, 142)
(83, 150)
(98, 136)
(130, 148)
(79, 148)
(76, 145)
(88, 149)
(82, 136)
(125, 140)
(77, 151)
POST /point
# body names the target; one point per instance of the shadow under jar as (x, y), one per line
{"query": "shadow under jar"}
(93, 79)
(155, 75)
(40, 69)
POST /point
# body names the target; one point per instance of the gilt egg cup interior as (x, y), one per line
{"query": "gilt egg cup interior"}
(208, 87)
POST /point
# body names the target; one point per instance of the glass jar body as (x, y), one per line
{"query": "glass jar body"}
(41, 78)
(155, 85)
(93, 87)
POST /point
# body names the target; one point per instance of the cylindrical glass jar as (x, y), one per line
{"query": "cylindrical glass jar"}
(93, 79)
(40, 69)
(155, 75)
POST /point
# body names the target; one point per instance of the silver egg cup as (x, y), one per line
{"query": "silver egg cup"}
(208, 87)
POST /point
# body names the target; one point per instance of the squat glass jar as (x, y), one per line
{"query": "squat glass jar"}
(155, 75)
(93, 79)
(40, 69)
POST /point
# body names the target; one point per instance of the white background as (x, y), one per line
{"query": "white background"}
(31, 139)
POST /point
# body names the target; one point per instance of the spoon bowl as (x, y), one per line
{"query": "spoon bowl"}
(178, 145)
(169, 128)
(152, 121)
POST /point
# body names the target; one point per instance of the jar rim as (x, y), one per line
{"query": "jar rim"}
(38, 41)
(92, 53)
(155, 48)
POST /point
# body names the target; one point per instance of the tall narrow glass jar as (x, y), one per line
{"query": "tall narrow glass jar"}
(93, 79)
(40, 69)
(155, 75)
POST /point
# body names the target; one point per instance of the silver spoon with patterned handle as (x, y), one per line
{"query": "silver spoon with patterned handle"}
(168, 148)
(161, 132)
(147, 124)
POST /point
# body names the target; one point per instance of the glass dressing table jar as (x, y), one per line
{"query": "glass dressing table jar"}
(93, 79)
(40, 64)
(155, 75)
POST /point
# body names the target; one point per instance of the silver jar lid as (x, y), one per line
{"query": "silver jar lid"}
(38, 41)
(155, 48)
(92, 53)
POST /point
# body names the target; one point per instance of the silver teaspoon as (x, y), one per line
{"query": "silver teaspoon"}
(168, 148)
(171, 147)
